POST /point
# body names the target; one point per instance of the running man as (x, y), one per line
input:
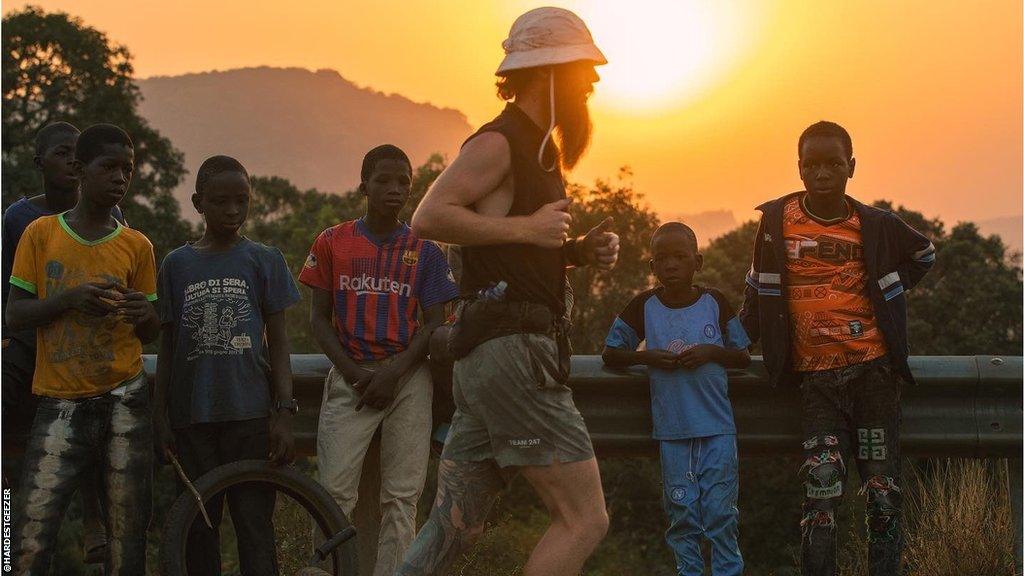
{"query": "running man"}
(503, 201)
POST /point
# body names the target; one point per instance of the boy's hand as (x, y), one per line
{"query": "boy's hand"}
(661, 359)
(359, 380)
(134, 309)
(163, 440)
(381, 391)
(93, 298)
(282, 441)
(600, 247)
(698, 356)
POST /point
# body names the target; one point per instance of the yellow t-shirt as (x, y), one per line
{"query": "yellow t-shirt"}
(77, 355)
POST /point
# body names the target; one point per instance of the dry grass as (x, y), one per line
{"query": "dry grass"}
(960, 520)
(957, 522)
(853, 555)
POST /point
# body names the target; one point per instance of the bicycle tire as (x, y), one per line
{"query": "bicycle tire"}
(303, 489)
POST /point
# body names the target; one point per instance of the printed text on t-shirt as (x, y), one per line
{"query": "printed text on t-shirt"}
(213, 310)
(366, 284)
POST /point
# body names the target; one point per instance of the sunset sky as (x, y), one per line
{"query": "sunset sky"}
(703, 99)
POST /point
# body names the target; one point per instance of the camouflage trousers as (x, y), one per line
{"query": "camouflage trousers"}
(109, 436)
(851, 411)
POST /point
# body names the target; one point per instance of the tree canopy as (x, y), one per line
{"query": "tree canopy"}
(55, 68)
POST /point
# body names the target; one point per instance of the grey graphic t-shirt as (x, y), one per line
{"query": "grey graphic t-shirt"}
(215, 304)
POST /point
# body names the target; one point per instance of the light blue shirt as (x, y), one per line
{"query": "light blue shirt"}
(684, 403)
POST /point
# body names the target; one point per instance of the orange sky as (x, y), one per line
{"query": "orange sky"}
(703, 99)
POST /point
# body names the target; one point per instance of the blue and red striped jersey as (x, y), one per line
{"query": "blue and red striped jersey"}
(378, 285)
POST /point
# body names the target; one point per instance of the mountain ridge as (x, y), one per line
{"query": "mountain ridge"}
(311, 127)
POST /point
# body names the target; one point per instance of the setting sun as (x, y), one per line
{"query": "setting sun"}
(665, 52)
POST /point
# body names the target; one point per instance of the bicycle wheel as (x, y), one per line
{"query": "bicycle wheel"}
(301, 488)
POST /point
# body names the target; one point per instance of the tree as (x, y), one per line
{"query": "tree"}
(57, 68)
(727, 260)
(422, 178)
(600, 295)
(970, 302)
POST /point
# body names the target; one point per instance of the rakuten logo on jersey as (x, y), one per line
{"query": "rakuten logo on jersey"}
(368, 285)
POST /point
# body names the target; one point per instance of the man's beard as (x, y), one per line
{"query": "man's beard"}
(572, 129)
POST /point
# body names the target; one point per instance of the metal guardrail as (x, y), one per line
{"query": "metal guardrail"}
(962, 406)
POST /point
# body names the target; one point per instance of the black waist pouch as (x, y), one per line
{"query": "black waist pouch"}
(478, 321)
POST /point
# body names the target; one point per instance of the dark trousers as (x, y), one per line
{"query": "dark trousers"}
(109, 435)
(203, 447)
(18, 404)
(851, 411)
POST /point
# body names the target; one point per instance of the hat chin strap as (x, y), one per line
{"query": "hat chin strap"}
(551, 126)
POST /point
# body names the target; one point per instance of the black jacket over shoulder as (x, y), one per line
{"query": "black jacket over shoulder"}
(896, 257)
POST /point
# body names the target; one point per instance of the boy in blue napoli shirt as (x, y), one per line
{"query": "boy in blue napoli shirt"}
(223, 379)
(692, 336)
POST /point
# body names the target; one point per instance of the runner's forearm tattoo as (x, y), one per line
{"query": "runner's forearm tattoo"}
(465, 493)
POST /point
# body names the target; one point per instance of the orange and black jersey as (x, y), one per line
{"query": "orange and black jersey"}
(895, 257)
(832, 322)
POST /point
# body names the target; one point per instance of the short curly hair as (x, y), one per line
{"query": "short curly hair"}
(826, 129)
(92, 140)
(216, 165)
(47, 134)
(382, 152)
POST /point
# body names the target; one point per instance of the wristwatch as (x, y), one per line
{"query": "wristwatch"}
(289, 405)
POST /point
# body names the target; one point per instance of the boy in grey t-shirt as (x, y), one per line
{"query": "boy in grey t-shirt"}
(219, 297)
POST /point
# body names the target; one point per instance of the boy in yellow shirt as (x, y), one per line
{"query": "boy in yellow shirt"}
(86, 284)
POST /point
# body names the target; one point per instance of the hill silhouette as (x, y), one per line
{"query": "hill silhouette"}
(310, 127)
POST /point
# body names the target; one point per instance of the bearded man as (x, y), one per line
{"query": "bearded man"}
(503, 201)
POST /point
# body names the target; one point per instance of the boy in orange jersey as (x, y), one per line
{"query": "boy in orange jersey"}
(825, 296)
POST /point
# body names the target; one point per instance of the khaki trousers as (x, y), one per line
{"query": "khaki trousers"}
(343, 436)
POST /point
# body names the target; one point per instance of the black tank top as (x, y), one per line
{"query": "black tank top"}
(533, 274)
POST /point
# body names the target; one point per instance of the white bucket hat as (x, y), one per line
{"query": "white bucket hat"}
(545, 37)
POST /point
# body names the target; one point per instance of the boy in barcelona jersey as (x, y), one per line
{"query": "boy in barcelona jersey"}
(371, 279)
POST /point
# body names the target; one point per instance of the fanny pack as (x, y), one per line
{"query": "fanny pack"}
(477, 321)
